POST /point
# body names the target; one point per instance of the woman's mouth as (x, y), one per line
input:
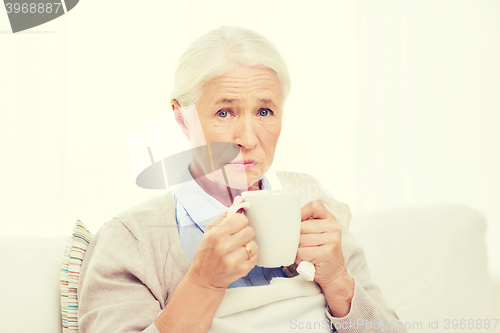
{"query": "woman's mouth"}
(243, 164)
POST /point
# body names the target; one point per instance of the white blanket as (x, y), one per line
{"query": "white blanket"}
(285, 305)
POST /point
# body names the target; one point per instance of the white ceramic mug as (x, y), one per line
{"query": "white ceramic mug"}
(275, 218)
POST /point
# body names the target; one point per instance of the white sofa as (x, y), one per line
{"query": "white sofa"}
(429, 261)
(431, 265)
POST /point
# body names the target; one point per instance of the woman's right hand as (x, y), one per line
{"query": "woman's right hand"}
(221, 257)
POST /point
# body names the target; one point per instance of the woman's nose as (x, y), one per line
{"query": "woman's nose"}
(245, 132)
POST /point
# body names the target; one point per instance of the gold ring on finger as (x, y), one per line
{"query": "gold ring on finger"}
(249, 251)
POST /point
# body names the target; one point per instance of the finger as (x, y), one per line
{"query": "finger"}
(237, 200)
(238, 240)
(312, 254)
(306, 254)
(254, 251)
(239, 259)
(234, 223)
(216, 221)
(242, 237)
(315, 239)
(314, 209)
(248, 265)
(319, 226)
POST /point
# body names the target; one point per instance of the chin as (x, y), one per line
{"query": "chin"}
(236, 178)
(240, 186)
(236, 181)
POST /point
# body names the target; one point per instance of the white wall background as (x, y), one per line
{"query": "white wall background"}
(393, 103)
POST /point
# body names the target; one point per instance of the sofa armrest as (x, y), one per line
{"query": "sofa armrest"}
(429, 261)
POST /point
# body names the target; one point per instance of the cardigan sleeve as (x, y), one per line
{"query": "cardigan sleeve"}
(369, 311)
(112, 295)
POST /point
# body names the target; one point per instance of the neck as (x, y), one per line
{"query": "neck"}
(221, 192)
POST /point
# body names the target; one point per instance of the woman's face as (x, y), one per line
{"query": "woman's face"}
(243, 107)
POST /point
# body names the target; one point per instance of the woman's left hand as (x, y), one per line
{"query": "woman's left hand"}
(320, 243)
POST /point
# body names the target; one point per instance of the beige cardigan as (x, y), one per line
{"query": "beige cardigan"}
(135, 261)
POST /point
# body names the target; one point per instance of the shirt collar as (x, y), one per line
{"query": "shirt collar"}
(201, 206)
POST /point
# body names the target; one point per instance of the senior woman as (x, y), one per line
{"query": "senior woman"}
(169, 264)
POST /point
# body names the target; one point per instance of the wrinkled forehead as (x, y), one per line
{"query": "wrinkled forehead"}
(243, 86)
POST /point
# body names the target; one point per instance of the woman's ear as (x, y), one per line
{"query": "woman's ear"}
(179, 118)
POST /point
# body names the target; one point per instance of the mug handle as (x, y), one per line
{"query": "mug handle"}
(234, 208)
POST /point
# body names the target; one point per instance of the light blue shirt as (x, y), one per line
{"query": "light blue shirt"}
(194, 210)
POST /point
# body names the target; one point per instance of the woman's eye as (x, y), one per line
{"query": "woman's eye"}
(223, 113)
(264, 112)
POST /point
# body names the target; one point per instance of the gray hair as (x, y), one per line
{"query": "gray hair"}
(216, 53)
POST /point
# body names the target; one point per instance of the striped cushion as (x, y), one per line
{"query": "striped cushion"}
(76, 245)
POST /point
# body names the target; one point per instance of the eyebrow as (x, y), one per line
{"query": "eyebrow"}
(231, 101)
(225, 101)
